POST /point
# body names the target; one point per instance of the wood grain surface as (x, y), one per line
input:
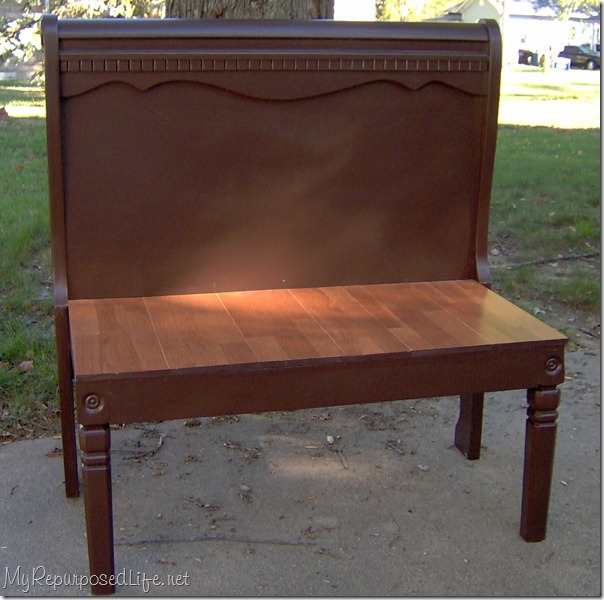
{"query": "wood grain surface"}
(126, 335)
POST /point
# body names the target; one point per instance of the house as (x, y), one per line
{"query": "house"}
(471, 11)
(541, 30)
(531, 25)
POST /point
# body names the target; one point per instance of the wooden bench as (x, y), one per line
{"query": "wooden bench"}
(258, 216)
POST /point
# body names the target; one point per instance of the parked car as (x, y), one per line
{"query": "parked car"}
(528, 57)
(581, 56)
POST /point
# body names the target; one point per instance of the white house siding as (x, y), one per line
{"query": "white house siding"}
(480, 9)
(535, 34)
(542, 32)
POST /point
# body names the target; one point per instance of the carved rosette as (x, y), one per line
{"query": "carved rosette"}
(93, 403)
(553, 365)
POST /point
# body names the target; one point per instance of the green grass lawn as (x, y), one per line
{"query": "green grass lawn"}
(546, 194)
(22, 98)
(528, 82)
(559, 99)
(27, 374)
(546, 204)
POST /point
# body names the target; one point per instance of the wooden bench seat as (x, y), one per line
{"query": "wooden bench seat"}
(397, 341)
(115, 336)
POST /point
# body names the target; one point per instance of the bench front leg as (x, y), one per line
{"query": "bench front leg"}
(539, 450)
(95, 442)
(468, 431)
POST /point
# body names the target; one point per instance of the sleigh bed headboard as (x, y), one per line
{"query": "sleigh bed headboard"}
(200, 156)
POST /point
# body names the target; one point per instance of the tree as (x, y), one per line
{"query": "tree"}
(409, 10)
(564, 8)
(250, 9)
(20, 39)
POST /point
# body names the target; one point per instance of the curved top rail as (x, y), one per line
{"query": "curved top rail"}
(233, 28)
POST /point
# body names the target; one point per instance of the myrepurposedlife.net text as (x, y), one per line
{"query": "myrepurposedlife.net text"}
(28, 580)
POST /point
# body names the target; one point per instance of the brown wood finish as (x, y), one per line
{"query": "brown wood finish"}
(303, 207)
(468, 431)
(134, 397)
(65, 372)
(95, 443)
(258, 216)
(541, 430)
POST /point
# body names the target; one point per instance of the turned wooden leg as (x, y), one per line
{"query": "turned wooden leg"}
(538, 461)
(468, 431)
(95, 444)
(70, 456)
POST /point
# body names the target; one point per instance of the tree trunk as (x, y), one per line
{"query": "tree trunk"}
(250, 9)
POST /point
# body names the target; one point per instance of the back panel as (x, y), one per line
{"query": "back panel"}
(295, 157)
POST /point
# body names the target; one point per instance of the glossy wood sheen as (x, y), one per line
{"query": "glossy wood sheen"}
(125, 335)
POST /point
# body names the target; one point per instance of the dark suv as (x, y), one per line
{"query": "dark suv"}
(581, 56)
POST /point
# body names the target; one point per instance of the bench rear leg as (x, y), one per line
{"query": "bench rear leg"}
(539, 450)
(68, 437)
(468, 431)
(95, 442)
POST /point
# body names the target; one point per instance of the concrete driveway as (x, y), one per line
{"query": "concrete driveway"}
(263, 505)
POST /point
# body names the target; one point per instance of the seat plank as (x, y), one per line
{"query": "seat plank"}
(492, 316)
(196, 330)
(348, 322)
(419, 322)
(276, 326)
(113, 336)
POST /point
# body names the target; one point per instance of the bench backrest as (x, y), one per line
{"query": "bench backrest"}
(201, 156)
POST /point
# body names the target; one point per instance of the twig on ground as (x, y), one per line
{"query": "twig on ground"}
(342, 458)
(137, 455)
(544, 261)
(207, 505)
(392, 446)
